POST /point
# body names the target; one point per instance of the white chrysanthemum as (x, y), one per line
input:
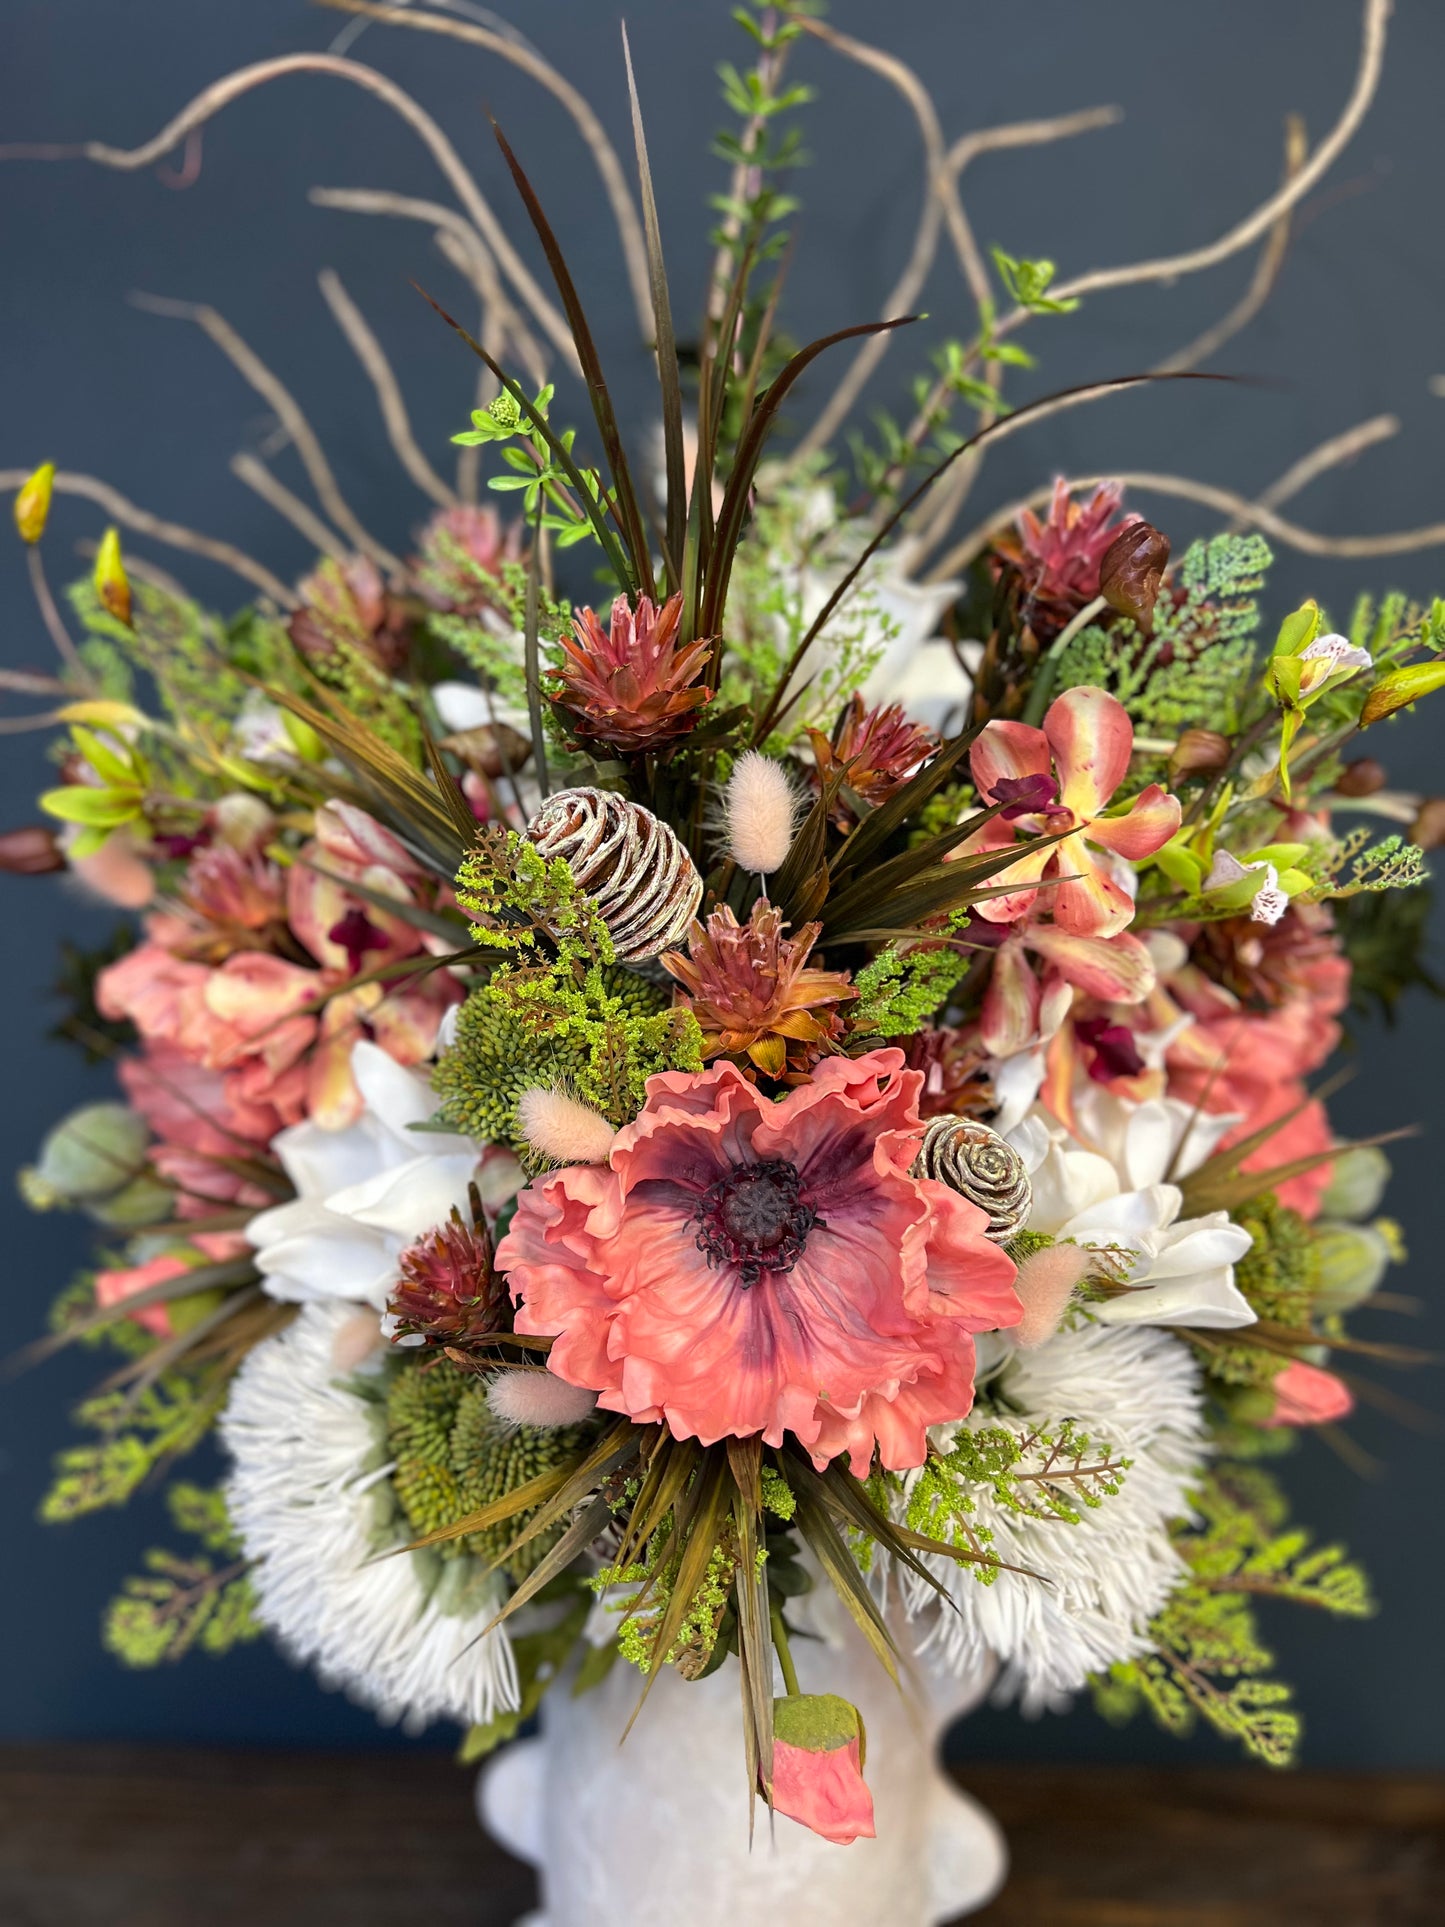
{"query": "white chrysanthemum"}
(1101, 1580)
(304, 1446)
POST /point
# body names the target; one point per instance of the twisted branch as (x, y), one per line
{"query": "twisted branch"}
(370, 353)
(124, 511)
(614, 180)
(287, 409)
(276, 495)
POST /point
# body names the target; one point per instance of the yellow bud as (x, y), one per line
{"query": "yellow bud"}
(32, 503)
(111, 582)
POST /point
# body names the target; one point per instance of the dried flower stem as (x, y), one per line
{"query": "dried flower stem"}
(604, 154)
(172, 534)
(372, 356)
(287, 410)
(50, 615)
(258, 478)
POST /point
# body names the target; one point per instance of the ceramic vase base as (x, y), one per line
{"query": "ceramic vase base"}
(655, 1833)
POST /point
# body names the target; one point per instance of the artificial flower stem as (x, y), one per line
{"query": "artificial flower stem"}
(785, 1653)
(1048, 669)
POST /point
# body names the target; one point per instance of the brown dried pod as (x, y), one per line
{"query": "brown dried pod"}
(31, 852)
(1199, 752)
(629, 862)
(977, 1163)
(1363, 777)
(1132, 572)
(1427, 832)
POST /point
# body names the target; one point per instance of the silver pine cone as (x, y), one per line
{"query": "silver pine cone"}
(976, 1162)
(633, 867)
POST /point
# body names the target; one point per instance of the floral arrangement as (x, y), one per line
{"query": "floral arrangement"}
(790, 1079)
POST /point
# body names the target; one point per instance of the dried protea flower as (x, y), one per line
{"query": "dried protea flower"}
(753, 993)
(462, 555)
(631, 686)
(1056, 562)
(346, 604)
(449, 1292)
(1131, 572)
(872, 751)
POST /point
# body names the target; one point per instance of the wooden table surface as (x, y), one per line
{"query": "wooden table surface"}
(111, 1836)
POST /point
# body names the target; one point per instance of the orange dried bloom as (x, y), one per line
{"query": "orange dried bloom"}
(753, 992)
(874, 751)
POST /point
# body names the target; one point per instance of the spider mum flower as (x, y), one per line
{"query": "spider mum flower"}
(631, 686)
(753, 991)
(741, 1266)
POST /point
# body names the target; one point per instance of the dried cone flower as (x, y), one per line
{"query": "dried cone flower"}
(449, 1291)
(872, 751)
(1131, 573)
(753, 992)
(1056, 562)
(631, 686)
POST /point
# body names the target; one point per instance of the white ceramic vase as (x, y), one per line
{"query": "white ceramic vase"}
(655, 1833)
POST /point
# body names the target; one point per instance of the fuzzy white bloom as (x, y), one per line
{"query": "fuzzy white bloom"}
(560, 1127)
(1135, 1391)
(304, 1446)
(538, 1399)
(760, 814)
(363, 1194)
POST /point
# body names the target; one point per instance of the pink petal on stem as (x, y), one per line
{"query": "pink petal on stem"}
(1092, 738)
(1007, 749)
(1146, 826)
(1009, 1020)
(1118, 969)
(1087, 901)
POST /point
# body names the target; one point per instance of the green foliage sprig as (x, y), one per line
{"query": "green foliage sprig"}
(182, 1602)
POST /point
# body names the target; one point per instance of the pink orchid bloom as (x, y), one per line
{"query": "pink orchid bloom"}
(1087, 740)
(344, 931)
(1022, 1009)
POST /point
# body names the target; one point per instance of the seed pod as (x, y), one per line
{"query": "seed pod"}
(1363, 777)
(1132, 572)
(633, 867)
(32, 504)
(1428, 829)
(30, 852)
(977, 1163)
(1199, 752)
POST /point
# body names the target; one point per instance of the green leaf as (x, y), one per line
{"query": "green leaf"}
(1398, 688)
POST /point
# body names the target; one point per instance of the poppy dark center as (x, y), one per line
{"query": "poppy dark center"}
(756, 1218)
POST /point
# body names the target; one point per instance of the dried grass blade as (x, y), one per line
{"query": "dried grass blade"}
(664, 340)
(827, 1546)
(603, 412)
(713, 1492)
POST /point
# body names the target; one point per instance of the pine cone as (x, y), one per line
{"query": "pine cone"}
(631, 687)
(629, 862)
(977, 1163)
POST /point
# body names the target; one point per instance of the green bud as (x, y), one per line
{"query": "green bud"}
(1357, 1183)
(88, 1156)
(145, 1200)
(506, 411)
(1352, 1260)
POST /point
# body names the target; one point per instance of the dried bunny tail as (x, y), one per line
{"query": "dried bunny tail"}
(562, 1129)
(538, 1400)
(761, 806)
(1045, 1286)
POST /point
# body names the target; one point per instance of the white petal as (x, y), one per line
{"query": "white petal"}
(318, 1161)
(410, 1198)
(1209, 1299)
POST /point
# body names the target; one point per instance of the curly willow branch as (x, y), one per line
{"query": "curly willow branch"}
(1170, 267)
(370, 353)
(224, 91)
(1248, 514)
(287, 409)
(173, 534)
(464, 248)
(275, 494)
(905, 291)
(609, 167)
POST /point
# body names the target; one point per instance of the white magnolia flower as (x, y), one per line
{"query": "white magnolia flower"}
(1101, 1580)
(1119, 1195)
(304, 1446)
(363, 1194)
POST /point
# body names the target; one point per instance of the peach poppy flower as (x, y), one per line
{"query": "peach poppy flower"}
(743, 1267)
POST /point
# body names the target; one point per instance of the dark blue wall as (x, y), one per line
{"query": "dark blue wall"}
(1353, 330)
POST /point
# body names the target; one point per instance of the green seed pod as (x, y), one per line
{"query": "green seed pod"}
(90, 1155)
(145, 1200)
(1353, 1258)
(1357, 1183)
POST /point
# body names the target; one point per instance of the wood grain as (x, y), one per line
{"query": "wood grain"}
(126, 1836)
